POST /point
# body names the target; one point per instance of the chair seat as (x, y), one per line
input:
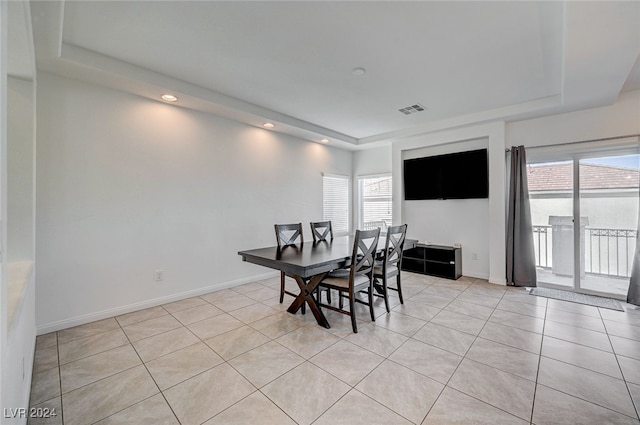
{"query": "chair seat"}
(343, 282)
(391, 270)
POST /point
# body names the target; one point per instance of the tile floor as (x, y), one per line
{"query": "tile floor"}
(456, 352)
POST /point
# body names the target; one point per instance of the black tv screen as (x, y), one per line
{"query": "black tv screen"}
(460, 175)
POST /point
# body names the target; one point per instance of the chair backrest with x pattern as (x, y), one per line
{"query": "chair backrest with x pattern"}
(394, 244)
(321, 230)
(365, 246)
(288, 234)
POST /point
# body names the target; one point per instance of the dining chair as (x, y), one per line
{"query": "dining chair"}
(357, 277)
(321, 230)
(288, 234)
(389, 266)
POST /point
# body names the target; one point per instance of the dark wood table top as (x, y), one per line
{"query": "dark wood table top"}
(308, 259)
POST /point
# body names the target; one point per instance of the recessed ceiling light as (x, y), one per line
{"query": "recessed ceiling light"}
(169, 98)
(268, 125)
(358, 71)
(324, 141)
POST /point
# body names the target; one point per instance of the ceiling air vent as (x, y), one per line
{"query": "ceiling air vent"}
(413, 109)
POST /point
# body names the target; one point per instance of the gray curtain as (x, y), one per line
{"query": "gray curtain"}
(521, 261)
(633, 296)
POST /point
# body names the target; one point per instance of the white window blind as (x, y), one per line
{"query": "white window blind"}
(375, 202)
(335, 195)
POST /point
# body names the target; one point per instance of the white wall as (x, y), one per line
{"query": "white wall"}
(478, 225)
(620, 119)
(452, 221)
(126, 186)
(17, 142)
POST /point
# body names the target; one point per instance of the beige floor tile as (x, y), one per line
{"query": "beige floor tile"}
(513, 337)
(265, 363)
(522, 308)
(417, 310)
(248, 287)
(182, 364)
(459, 322)
(426, 359)
(196, 314)
(215, 326)
(409, 393)
(152, 411)
(91, 369)
(630, 369)
(456, 408)
(557, 408)
(103, 398)
(523, 296)
(308, 341)
(253, 313)
(445, 338)
(183, 304)
(577, 335)
(263, 293)
(151, 327)
(490, 302)
(45, 358)
(164, 343)
(233, 302)
(508, 359)
(238, 341)
(443, 291)
(470, 309)
(489, 384)
(47, 340)
(400, 323)
(581, 355)
(255, 409)
(45, 386)
(368, 411)
(623, 330)
(46, 413)
(347, 362)
(626, 347)
(91, 345)
(585, 310)
(573, 319)
(305, 392)
(590, 386)
(431, 299)
(89, 329)
(141, 315)
(205, 395)
(378, 340)
(277, 325)
(635, 395)
(218, 295)
(515, 320)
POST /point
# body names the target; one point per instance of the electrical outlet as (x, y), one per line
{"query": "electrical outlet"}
(159, 275)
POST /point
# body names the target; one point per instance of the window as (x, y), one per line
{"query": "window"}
(375, 202)
(335, 195)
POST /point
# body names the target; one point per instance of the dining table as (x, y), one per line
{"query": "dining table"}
(308, 263)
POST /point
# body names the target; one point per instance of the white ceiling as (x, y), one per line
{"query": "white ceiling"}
(291, 62)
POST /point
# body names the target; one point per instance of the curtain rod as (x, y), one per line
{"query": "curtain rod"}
(580, 141)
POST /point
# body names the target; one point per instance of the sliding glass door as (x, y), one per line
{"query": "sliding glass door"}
(584, 215)
(551, 198)
(609, 206)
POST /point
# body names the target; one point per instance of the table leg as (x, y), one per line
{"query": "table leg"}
(306, 295)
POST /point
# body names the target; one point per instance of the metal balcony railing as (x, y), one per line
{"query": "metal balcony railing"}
(607, 252)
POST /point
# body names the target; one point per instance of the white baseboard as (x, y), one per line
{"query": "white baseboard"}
(117, 311)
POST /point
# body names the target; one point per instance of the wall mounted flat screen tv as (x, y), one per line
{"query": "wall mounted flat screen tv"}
(460, 175)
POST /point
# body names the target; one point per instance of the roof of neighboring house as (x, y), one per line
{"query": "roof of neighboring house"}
(592, 176)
